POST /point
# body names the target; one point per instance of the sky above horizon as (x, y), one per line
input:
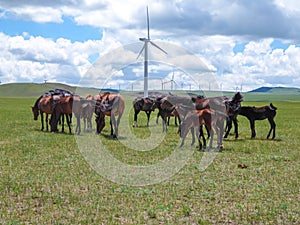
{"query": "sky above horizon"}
(234, 45)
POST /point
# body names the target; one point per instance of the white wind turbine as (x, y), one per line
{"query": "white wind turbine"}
(146, 56)
(172, 81)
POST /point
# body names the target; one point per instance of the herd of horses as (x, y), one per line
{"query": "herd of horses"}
(216, 114)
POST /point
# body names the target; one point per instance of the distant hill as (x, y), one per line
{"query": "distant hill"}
(30, 89)
(36, 89)
(275, 89)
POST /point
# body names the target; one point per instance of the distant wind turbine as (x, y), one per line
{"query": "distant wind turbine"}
(146, 56)
(172, 81)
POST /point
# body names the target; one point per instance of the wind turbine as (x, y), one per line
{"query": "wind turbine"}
(146, 56)
(172, 81)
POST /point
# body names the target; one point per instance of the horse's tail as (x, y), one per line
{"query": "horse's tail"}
(272, 107)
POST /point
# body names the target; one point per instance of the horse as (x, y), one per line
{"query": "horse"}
(88, 105)
(260, 113)
(157, 105)
(42, 105)
(165, 110)
(232, 108)
(112, 105)
(212, 119)
(142, 104)
(66, 105)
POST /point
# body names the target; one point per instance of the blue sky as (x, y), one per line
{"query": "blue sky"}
(241, 43)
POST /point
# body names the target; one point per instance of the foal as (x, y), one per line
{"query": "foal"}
(261, 113)
(212, 119)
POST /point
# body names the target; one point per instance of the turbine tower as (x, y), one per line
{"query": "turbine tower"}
(146, 56)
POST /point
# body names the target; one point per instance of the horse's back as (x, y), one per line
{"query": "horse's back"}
(45, 104)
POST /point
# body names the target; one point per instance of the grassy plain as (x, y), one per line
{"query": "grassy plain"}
(44, 178)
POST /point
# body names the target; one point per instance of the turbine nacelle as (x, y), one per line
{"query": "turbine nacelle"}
(144, 39)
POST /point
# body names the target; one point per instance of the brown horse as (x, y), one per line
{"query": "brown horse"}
(43, 105)
(166, 110)
(66, 105)
(212, 119)
(87, 105)
(112, 105)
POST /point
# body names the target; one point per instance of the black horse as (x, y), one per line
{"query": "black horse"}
(232, 109)
(260, 113)
(142, 104)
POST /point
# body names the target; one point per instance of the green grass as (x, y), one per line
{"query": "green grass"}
(44, 178)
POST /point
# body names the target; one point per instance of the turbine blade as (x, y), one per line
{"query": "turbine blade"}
(175, 83)
(155, 45)
(141, 51)
(148, 26)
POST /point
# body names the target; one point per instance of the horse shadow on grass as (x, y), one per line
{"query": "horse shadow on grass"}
(112, 137)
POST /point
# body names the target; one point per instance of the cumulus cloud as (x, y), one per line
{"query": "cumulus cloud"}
(206, 32)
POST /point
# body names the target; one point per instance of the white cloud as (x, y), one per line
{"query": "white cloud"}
(205, 33)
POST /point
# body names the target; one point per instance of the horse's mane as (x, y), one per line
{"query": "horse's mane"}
(37, 102)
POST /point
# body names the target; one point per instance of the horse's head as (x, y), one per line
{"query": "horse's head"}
(237, 97)
(100, 122)
(35, 112)
(156, 103)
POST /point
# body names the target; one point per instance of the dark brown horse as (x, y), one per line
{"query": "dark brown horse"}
(67, 106)
(111, 105)
(142, 104)
(43, 105)
(260, 113)
(166, 110)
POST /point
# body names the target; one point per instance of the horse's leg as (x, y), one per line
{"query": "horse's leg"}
(183, 135)
(203, 138)
(84, 123)
(164, 122)
(135, 123)
(220, 126)
(252, 126)
(158, 114)
(112, 123)
(78, 125)
(198, 135)
(47, 122)
(63, 122)
(236, 128)
(273, 127)
(42, 120)
(69, 122)
(193, 135)
(148, 117)
(115, 124)
(228, 127)
(207, 131)
(211, 137)
(168, 121)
